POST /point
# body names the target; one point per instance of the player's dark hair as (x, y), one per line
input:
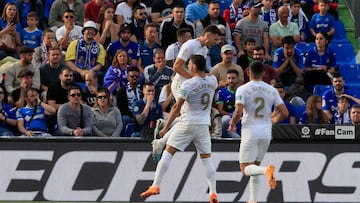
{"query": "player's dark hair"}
(199, 61)
(213, 29)
(257, 68)
(279, 85)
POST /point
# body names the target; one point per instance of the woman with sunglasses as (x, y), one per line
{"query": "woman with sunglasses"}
(106, 118)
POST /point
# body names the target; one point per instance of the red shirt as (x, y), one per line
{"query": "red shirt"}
(92, 10)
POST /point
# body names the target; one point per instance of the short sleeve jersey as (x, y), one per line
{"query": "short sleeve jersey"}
(198, 94)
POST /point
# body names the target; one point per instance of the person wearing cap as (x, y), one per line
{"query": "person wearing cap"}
(124, 42)
(92, 9)
(169, 26)
(18, 95)
(252, 26)
(58, 9)
(12, 81)
(69, 31)
(220, 70)
(86, 54)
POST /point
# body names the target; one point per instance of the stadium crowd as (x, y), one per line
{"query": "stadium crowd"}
(105, 68)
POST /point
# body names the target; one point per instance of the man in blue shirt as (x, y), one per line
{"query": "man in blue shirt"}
(330, 97)
(149, 45)
(146, 111)
(124, 42)
(291, 119)
(288, 61)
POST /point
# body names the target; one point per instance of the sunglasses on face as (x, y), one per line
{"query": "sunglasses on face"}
(76, 94)
(69, 17)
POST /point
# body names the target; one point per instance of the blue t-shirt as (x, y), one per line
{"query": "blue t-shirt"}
(147, 54)
(132, 49)
(38, 122)
(226, 97)
(322, 23)
(31, 39)
(313, 59)
(292, 112)
(25, 11)
(330, 100)
(269, 17)
(8, 112)
(3, 25)
(154, 113)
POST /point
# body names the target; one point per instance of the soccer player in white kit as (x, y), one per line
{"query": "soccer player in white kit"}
(194, 103)
(199, 46)
(254, 102)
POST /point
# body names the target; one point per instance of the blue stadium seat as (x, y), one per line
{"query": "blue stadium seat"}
(344, 52)
(351, 73)
(340, 32)
(305, 47)
(319, 89)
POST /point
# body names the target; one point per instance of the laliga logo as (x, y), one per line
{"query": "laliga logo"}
(305, 132)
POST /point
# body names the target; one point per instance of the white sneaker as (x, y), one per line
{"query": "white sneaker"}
(159, 126)
(157, 148)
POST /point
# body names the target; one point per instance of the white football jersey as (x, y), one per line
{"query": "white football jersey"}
(258, 99)
(198, 94)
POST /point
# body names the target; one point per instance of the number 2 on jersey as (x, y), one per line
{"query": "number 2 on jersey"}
(260, 106)
(205, 100)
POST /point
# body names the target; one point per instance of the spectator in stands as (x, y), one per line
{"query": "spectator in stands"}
(332, 8)
(49, 72)
(330, 97)
(116, 75)
(169, 27)
(183, 35)
(342, 115)
(355, 114)
(31, 36)
(69, 31)
(291, 119)
(12, 81)
(18, 95)
(314, 114)
(322, 21)
(31, 120)
(233, 13)
(124, 10)
(196, 11)
(268, 12)
(245, 29)
(25, 7)
(124, 42)
(283, 28)
(213, 18)
(158, 73)
(91, 89)
(10, 29)
(7, 115)
(128, 95)
(225, 101)
(86, 54)
(74, 118)
(148, 47)
(162, 10)
(221, 69)
(214, 54)
(58, 9)
(146, 110)
(269, 75)
(140, 19)
(41, 53)
(107, 26)
(288, 61)
(57, 94)
(298, 16)
(320, 62)
(93, 7)
(245, 59)
(166, 98)
(106, 118)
